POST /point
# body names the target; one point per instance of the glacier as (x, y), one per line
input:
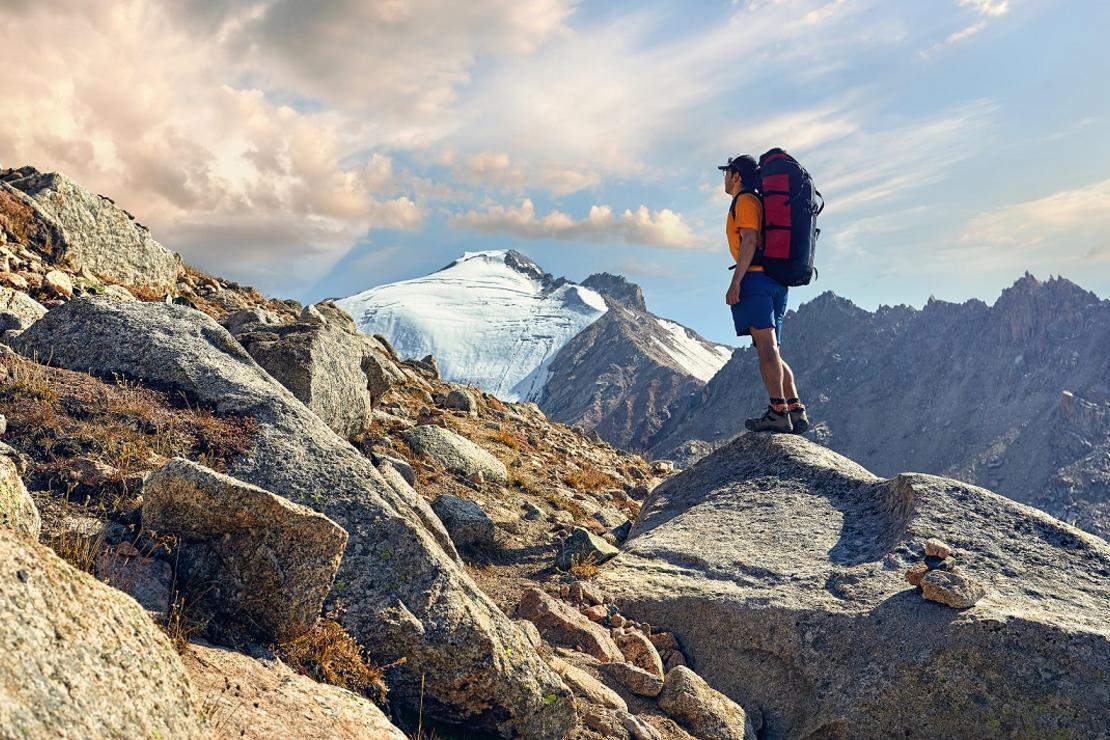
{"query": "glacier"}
(493, 319)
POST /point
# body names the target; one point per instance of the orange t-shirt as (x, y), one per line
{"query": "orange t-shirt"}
(746, 213)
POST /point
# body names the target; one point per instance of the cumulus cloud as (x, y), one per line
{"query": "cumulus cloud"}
(499, 170)
(663, 228)
(176, 110)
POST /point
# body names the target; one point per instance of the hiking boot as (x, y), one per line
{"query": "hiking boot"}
(771, 421)
(799, 420)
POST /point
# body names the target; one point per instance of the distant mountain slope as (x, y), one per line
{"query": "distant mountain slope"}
(968, 390)
(622, 374)
(492, 319)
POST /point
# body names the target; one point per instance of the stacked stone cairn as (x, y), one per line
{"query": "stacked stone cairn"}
(940, 580)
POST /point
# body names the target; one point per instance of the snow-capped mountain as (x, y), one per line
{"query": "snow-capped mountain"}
(492, 319)
(589, 354)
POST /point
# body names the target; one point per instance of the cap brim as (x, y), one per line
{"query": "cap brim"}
(722, 167)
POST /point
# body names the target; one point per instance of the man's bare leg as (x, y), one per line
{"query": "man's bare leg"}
(789, 390)
(770, 365)
(777, 419)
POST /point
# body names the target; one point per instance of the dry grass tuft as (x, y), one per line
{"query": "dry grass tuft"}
(329, 655)
(589, 478)
(510, 440)
(583, 567)
(55, 415)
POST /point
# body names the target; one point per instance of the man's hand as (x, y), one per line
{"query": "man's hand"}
(732, 297)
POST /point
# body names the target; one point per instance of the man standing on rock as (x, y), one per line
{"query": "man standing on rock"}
(758, 302)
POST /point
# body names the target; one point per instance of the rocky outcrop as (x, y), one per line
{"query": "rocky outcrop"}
(17, 509)
(454, 452)
(917, 412)
(621, 375)
(321, 358)
(261, 698)
(779, 565)
(80, 659)
(72, 226)
(258, 560)
(404, 596)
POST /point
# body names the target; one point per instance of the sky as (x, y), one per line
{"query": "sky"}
(317, 149)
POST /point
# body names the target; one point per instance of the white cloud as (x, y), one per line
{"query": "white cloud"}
(499, 170)
(663, 228)
(1082, 214)
(985, 9)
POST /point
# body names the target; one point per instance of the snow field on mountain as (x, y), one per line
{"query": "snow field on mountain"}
(697, 357)
(488, 324)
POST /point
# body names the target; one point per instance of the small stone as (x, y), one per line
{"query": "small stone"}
(587, 593)
(936, 548)
(477, 477)
(616, 620)
(952, 588)
(560, 623)
(639, 651)
(147, 580)
(465, 521)
(664, 641)
(564, 590)
(935, 563)
(531, 511)
(674, 659)
(3, 424)
(702, 709)
(582, 545)
(59, 283)
(915, 573)
(15, 280)
(530, 632)
(583, 684)
(604, 721)
(633, 678)
(595, 613)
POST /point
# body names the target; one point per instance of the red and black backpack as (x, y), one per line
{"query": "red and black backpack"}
(790, 208)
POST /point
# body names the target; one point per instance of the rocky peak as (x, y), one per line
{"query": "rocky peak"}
(1032, 308)
(617, 289)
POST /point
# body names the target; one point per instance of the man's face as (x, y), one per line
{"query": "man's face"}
(732, 182)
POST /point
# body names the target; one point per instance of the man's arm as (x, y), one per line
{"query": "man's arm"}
(748, 239)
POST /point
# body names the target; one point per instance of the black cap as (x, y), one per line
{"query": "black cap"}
(739, 163)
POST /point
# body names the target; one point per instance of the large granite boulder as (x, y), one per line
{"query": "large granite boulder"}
(17, 510)
(261, 698)
(325, 362)
(404, 596)
(455, 452)
(83, 230)
(79, 659)
(779, 564)
(265, 563)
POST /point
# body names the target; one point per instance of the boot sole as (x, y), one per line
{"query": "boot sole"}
(801, 427)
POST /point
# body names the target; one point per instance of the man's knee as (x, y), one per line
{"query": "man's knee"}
(765, 344)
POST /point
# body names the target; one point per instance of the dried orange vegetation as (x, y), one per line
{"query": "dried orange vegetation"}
(54, 415)
(510, 440)
(329, 655)
(583, 568)
(589, 478)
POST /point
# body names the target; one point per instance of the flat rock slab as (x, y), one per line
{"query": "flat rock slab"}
(779, 566)
(79, 659)
(263, 560)
(454, 452)
(268, 700)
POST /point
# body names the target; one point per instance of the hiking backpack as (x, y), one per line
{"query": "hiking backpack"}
(790, 208)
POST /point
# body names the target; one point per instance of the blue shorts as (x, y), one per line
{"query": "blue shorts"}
(762, 305)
